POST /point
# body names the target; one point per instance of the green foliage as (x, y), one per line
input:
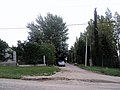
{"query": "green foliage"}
(96, 39)
(18, 72)
(117, 30)
(20, 51)
(3, 45)
(77, 53)
(49, 51)
(79, 50)
(49, 29)
(106, 46)
(32, 53)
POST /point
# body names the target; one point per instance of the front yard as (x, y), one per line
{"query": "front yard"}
(18, 72)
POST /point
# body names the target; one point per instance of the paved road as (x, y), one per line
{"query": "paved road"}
(70, 78)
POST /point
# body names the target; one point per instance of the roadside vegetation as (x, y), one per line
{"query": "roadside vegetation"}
(18, 72)
(103, 42)
(102, 70)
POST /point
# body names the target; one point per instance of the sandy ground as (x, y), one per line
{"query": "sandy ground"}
(70, 78)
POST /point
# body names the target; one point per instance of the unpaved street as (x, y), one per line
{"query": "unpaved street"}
(70, 78)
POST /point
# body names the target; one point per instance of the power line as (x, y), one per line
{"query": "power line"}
(76, 24)
(9, 28)
(13, 28)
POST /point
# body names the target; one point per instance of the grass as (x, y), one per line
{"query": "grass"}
(107, 71)
(18, 72)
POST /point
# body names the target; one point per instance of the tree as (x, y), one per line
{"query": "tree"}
(32, 53)
(3, 45)
(96, 40)
(107, 44)
(103, 35)
(77, 52)
(107, 41)
(71, 55)
(117, 30)
(90, 36)
(20, 51)
(50, 29)
(48, 50)
(80, 49)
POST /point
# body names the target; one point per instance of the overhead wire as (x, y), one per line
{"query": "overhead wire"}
(11, 28)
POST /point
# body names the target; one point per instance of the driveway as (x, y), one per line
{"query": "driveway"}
(70, 78)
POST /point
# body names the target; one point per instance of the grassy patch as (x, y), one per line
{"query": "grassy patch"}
(18, 72)
(107, 71)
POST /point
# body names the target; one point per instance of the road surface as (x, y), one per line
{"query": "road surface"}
(70, 78)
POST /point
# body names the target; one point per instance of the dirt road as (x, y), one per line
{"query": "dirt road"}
(70, 78)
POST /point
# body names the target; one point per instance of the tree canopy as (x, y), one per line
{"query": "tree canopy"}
(32, 53)
(47, 36)
(49, 29)
(3, 45)
(103, 40)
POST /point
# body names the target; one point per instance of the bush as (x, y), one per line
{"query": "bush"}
(32, 53)
(49, 51)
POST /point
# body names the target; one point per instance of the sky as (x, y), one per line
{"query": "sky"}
(18, 13)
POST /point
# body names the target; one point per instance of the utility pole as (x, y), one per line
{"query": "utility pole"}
(90, 59)
(86, 53)
(96, 53)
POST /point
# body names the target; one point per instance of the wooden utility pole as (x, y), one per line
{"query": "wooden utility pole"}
(96, 53)
(90, 59)
(90, 33)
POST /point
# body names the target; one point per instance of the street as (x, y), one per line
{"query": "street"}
(70, 78)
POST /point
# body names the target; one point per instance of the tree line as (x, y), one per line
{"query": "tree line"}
(103, 36)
